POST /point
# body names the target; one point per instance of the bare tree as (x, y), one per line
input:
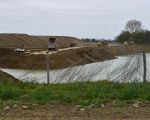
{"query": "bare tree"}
(133, 26)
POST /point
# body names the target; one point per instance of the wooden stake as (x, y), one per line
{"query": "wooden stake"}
(144, 67)
(47, 66)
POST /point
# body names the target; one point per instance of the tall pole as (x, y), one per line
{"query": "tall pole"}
(47, 66)
(144, 67)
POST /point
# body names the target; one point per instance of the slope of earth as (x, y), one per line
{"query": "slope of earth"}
(35, 42)
(4, 77)
(123, 50)
(138, 48)
(58, 60)
(116, 50)
(64, 42)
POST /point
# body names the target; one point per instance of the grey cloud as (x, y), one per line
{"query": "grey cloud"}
(79, 18)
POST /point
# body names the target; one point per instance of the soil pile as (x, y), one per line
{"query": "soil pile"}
(35, 42)
(138, 48)
(123, 50)
(61, 59)
(4, 77)
(116, 50)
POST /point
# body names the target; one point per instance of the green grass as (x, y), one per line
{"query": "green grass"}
(76, 93)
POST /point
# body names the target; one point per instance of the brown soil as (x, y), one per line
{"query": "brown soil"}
(36, 42)
(4, 77)
(59, 112)
(61, 59)
(123, 50)
(120, 50)
(138, 48)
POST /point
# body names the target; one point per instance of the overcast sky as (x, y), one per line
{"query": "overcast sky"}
(78, 18)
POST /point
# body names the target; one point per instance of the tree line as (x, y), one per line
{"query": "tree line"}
(134, 32)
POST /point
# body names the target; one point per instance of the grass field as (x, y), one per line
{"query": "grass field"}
(83, 94)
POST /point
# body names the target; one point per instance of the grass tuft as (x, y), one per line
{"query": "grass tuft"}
(7, 93)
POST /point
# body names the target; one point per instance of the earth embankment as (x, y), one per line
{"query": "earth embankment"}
(36, 42)
(4, 77)
(61, 59)
(124, 50)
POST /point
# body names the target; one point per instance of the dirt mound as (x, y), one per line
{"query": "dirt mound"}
(61, 59)
(79, 56)
(35, 42)
(63, 41)
(138, 48)
(116, 50)
(4, 77)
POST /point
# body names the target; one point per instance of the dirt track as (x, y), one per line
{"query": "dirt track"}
(58, 112)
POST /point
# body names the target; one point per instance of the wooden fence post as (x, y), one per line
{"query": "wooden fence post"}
(144, 67)
(47, 66)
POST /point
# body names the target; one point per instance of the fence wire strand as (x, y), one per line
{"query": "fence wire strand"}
(130, 70)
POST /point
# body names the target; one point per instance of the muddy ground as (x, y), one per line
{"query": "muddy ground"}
(59, 112)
